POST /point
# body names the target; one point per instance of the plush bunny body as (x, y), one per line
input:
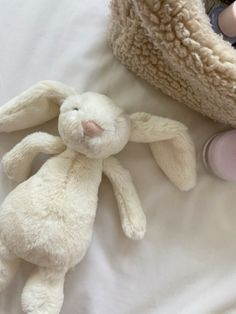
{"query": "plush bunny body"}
(48, 218)
(52, 213)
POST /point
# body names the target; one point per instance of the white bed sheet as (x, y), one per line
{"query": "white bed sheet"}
(187, 262)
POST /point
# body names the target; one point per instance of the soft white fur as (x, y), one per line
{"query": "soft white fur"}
(48, 219)
(171, 145)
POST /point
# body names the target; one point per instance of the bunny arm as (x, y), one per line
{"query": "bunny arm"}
(17, 162)
(133, 219)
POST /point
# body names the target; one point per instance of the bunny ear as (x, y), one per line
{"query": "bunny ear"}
(38, 104)
(171, 145)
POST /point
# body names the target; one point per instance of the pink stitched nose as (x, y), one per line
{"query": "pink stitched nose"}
(91, 128)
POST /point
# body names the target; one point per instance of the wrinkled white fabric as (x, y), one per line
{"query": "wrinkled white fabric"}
(186, 264)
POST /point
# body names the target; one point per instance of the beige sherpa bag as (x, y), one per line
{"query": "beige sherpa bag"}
(170, 43)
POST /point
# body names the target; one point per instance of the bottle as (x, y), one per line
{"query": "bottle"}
(219, 155)
(223, 20)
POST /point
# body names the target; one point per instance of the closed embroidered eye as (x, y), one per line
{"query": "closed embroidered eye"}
(76, 108)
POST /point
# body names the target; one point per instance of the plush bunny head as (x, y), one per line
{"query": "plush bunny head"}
(93, 125)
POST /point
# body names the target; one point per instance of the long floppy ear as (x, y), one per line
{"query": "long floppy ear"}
(171, 145)
(38, 104)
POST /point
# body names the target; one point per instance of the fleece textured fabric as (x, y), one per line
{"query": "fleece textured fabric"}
(171, 45)
(48, 219)
(185, 264)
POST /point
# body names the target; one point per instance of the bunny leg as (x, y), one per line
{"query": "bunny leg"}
(43, 292)
(9, 264)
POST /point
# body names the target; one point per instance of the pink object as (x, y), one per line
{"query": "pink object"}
(91, 128)
(219, 155)
(227, 20)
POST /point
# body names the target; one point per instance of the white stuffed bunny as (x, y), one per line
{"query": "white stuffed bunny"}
(48, 219)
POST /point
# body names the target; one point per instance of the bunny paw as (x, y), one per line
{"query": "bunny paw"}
(135, 231)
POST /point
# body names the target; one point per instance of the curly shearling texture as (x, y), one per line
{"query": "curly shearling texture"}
(171, 45)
